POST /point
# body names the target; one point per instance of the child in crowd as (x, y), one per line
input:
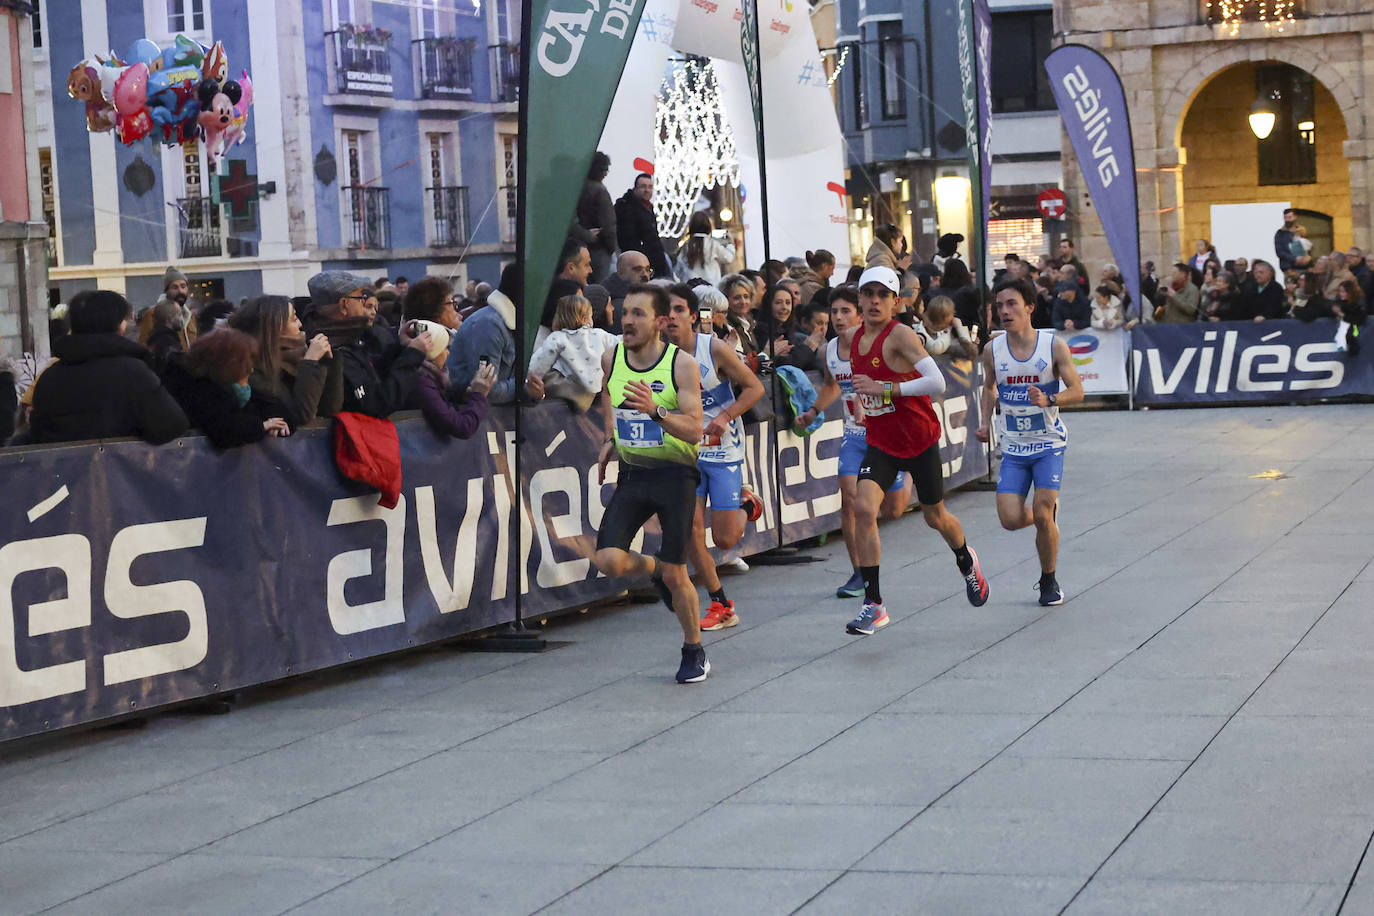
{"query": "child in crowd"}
(444, 418)
(1107, 312)
(942, 332)
(1301, 246)
(567, 364)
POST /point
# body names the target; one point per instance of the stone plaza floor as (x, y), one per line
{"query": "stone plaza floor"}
(1193, 732)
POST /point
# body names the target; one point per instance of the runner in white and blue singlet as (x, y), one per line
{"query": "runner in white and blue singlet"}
(720, 454)
(1034, 374)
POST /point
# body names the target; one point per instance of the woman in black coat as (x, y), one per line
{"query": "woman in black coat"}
(102, 386)
(211, 384)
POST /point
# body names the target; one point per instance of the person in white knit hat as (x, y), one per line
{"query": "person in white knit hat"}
(444, 417)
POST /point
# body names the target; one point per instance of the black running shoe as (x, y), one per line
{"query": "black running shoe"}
(694, 667)
(1052, 596)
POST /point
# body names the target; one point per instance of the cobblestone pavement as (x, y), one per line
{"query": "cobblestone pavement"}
(1191, 732)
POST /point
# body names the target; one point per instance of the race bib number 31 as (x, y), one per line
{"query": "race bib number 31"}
(636, 430)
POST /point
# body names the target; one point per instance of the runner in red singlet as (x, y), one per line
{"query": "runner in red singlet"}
(894, 378)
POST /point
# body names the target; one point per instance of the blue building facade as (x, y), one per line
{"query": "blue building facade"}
(382, 139)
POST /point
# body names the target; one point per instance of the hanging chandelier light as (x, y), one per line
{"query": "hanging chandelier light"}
(1275, 14)
(694, 145)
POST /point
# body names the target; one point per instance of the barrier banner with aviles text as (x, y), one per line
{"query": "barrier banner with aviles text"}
(1238, 362)
(136, 576)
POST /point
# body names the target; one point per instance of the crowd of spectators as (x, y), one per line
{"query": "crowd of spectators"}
(375, 347)
(1305, 284)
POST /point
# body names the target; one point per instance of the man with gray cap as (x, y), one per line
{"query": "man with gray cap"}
(377, 384)
(175, 288)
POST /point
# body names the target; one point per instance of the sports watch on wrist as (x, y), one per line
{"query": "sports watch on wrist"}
(660, 413)
(1054, 399)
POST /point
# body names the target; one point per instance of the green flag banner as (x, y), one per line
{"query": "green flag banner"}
(576, 52)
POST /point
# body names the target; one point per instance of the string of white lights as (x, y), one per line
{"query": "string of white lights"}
(839, 66)
(1274, 14)
(694, 145)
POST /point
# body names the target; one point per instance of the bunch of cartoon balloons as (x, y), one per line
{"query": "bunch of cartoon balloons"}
(177, 95)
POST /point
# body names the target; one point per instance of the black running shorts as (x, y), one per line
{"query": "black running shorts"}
(926, 469)
(670, 492)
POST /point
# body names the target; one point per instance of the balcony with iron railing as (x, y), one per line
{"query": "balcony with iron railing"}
(199, 234)
(362, 59)
(445, 66)
(505, 85)
(367, 217)
(450, 216)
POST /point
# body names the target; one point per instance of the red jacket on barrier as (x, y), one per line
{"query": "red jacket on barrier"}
(368, 450)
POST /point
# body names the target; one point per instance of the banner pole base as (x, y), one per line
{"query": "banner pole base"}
(782, 556)
(514, 637)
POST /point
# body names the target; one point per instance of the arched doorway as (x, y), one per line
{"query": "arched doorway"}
(1302, 162)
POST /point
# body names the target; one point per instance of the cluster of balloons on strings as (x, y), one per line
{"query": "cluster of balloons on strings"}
(176, 95)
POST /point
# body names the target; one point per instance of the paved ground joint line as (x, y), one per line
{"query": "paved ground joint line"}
(1211, 740)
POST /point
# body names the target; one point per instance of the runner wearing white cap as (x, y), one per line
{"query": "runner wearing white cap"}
(894, 378)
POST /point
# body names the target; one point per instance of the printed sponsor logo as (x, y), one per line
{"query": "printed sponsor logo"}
(560, 41)
(1093, 117)
(1082, 348)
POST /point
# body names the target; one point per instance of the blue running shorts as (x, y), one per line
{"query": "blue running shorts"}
(852, 458)
(1045, 470)
(720, 483)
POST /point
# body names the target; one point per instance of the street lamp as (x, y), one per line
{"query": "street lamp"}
(1262, 118)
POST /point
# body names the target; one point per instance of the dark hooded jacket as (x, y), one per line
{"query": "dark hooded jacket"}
(378, 378)
(102, 387)
(637, 230)
(213, 409)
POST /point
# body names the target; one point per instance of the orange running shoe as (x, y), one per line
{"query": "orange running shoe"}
(720, 616)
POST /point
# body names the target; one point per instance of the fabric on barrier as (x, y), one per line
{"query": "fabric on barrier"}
(1238, 362)
(135, 576)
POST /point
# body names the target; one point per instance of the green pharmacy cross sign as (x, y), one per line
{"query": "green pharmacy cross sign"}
(238, 190)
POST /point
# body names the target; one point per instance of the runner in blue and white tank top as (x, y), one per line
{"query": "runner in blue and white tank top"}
(844, 314)
(1034, 374)
(720, 454)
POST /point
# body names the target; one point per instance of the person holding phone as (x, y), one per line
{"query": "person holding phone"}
(376, 382)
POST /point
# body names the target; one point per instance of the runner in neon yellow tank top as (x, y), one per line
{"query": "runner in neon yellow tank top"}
(652, 403)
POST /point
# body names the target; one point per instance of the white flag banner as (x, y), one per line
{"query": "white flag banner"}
(805, 147)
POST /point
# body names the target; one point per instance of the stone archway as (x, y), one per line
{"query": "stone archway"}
(1223, 163)
(1211, 63)
(1169, 121)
